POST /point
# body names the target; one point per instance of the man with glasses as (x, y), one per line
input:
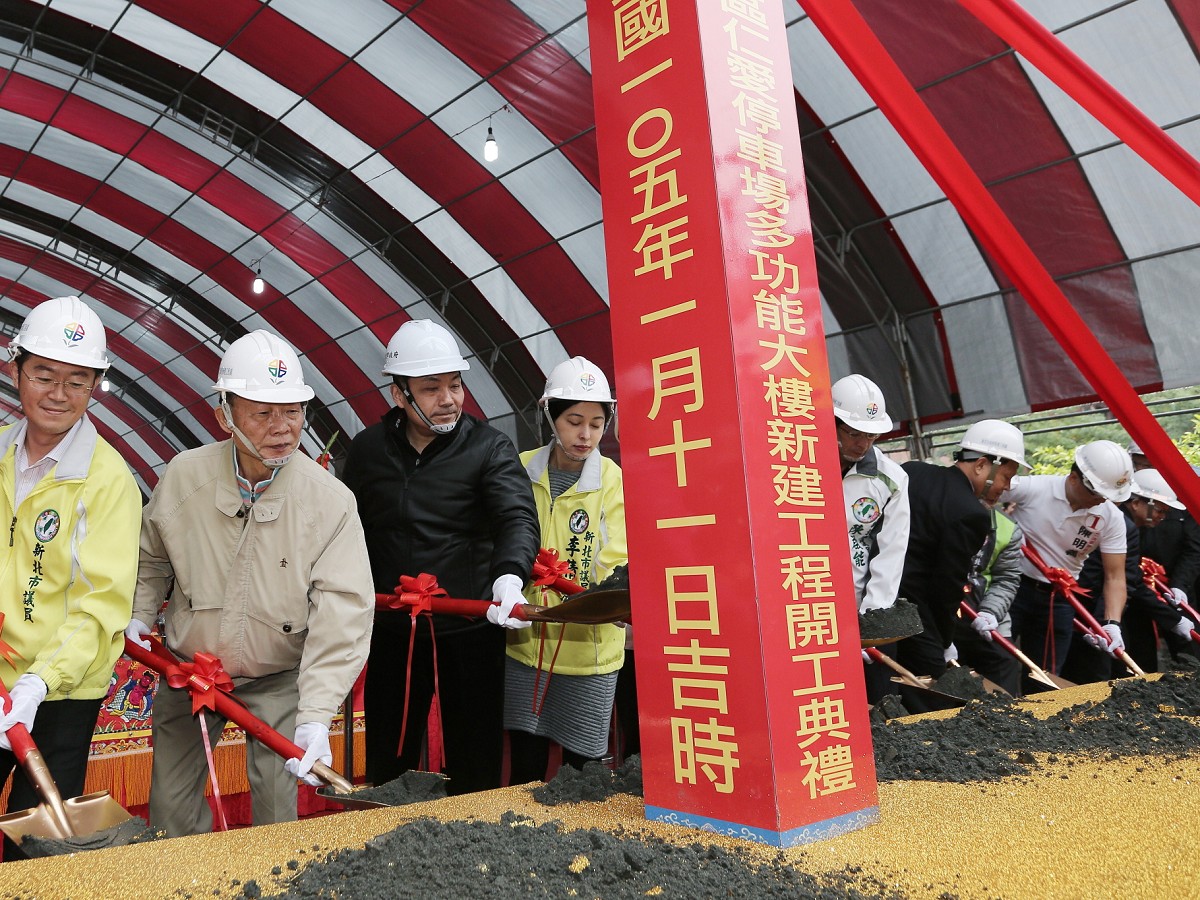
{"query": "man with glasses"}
(1065, 518)
(70, 561)
(262, 555)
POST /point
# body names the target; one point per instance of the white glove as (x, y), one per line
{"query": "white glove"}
(950, 654)
(27, 694)
(506, 592)
(313, 739)
(985, 623)
(1177, 598)
(136, 630)
(1115, 640)
(1184, 627)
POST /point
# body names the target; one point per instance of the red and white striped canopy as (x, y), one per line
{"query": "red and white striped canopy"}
(155, 155)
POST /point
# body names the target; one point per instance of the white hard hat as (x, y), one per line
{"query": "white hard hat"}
(577, 379)
(1135, 450)
(993, 437)
(63, 329)
(1150, 484)
(1107, 470)
(261, 366)
(422, 347)
(858, 402)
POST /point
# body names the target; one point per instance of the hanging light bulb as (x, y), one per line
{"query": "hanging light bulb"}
(258, 281)
(491, 152)
(104, 385)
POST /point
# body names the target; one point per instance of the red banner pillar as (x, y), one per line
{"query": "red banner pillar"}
(753, 712)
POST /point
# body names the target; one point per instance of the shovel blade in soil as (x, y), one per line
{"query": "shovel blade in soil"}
(87, 814)
(348, 800)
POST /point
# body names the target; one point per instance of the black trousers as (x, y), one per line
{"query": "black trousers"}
(1043, 640)
(62, 732)
(470, 668)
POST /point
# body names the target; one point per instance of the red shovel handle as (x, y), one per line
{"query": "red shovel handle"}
(453, 606)
(166, 665)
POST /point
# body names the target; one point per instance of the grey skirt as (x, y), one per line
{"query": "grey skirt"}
(576, 710)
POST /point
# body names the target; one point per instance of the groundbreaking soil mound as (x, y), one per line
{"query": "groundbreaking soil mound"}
(411, 787)
(900, 620)
(453, 860)
(131, 831)
(991, 738)
(595, 782)
(959, 681)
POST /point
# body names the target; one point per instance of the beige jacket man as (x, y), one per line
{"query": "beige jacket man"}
(275, 586)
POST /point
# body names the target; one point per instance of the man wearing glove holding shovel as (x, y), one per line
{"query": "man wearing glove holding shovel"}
(68, 568)
(441, 493)
(1065, 518)
(261, 554)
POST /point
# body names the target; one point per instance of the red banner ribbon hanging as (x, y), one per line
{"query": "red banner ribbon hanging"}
(203, 678)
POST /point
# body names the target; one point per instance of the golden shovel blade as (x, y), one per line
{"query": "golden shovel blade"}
(86, 815)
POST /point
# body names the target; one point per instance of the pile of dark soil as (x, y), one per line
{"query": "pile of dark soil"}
(900, 620)
(595, 782)
(517, 857)
(131, 831)
(411, 787)
(959, 681)
(989, 739)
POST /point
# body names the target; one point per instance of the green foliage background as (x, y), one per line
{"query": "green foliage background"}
(1051, 437)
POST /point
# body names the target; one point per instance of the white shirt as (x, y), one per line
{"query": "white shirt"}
(875, 491)
(1063, 536)
(27, 475)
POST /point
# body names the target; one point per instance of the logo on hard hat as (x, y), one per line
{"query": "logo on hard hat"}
(73, 332)
(872, 410)
(277, 368)
(587, 379)
(46, 525)
(865, 510)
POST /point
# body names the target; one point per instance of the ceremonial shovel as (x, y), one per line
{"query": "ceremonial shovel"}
(75, 821)
(1036, 672)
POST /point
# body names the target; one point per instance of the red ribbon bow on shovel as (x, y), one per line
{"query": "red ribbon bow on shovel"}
(203, 677)
(415, 593)
(549, 571)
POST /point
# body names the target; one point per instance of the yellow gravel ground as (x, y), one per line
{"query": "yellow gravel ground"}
(1093, 829)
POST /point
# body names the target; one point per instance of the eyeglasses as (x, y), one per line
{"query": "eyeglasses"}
(45, 385)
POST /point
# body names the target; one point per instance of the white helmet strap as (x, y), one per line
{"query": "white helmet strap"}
(277, 462)
(445, 428)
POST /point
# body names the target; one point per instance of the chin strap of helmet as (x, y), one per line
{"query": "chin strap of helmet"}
(277, 462)
(436, 429)
(563, 447)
